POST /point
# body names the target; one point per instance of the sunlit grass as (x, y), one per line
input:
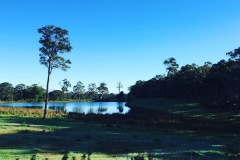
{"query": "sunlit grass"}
(23, 136)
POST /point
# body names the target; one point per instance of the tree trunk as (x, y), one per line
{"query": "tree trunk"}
(46, 95)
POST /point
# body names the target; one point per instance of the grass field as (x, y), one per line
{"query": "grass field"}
(24, 135)
(183, 107)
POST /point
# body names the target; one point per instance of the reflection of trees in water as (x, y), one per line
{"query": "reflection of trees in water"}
(120, 107)
(102, 109)
(91, 110)
(58, 108)
(78, 109)
(32, 107)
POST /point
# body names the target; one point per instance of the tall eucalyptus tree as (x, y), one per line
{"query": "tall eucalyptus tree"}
(79, 90)
(54, 41)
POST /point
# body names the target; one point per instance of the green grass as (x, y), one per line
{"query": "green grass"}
(22, 137)
(183, 107)
(23, 133)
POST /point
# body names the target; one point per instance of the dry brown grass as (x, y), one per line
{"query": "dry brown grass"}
(30, 112)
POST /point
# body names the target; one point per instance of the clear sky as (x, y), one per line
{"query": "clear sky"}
(115, 40)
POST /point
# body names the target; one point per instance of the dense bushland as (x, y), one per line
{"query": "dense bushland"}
(36, 93)
(213, 85)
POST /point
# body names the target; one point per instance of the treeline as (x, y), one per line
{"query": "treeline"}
(36, 93)
(213, 85)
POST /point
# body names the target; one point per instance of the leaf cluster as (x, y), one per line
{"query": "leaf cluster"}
(54, 40)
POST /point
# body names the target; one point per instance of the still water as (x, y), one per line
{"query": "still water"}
(79, 107)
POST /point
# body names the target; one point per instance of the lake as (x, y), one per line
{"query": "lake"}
(79, 107)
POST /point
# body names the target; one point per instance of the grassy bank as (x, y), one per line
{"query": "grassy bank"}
(183, 107)
(30, 112)
(23, 134)
(22, 137)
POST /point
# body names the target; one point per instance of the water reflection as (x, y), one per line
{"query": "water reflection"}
(78, 107)
(102, 109)
(120, 107)
(58, 108)
(32, 107)
(91, 110)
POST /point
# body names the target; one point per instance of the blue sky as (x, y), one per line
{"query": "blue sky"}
(115, 40)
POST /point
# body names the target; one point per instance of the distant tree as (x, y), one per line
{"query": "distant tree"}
(65, 84)
(79, 89)
(102, 89)
(213, 85)
(34, 93)
(234, 55)
(120, 97)
(92, 91)
(6, 91)
(119, 86)
(137, 90)
(56, 95)
(172, 65)
(19, 92)
(54, 41)
(158, 77)
(92, 87)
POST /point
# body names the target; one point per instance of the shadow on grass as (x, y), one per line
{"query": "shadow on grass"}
(63, 135)
(136, 132)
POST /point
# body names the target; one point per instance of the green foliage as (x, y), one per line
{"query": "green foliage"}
(121, 97)
(54, 40)
(34, 93)
(102, 89)
(172, 65)
(92, 91)
(138, 157)
(234, 55)
(213, 85)
(65, 156)
(19, 91)
(79, 90)
(6, 91)
(83, 157)
(34, 157)
(65, 85)
(56, 95)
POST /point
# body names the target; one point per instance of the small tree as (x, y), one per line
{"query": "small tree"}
(119, 86)
(171, 65)
(54, 41)
(92, 91)
(6, 91)
(79, 89)
(102, 89)
(19, 92)
(234, 55)
(65, 85)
